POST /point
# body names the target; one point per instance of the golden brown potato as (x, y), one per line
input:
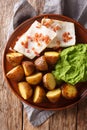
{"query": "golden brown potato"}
(49, 81)
(41, 64)
(14, 58)
(28, 67)
(34, 79)
(51, 57)
(17, 73)
(39, 95)
(69, 91)
(54, 95)
(25, 90)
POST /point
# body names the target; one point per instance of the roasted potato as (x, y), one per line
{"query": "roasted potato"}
(49, 81)
(69, 91)
(34, 79)
(25, 90)
(41, 64)
(54, 95)
(17, 73)
(39, 95)
(51, 57)
(28, 67)
(14, 58)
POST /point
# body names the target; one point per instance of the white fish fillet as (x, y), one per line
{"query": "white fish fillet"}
(34, 48)
(65, 27)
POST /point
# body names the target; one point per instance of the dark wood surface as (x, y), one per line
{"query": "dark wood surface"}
(12, 114)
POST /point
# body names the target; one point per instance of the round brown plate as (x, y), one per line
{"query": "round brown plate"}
(81, 37)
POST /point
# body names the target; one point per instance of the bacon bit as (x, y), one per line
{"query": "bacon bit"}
(36, 37)
(47, 23)
(68, 33)
(39, 44)
(24, 44)
(40, 37)
(36, 34)
(37, 54)
(65, 34)
(33, 48)
(56, 28)
(65, 40)
(29, 38)
(28, 51)
(66, 37)
(47, 39)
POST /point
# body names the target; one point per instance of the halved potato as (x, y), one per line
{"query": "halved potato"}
(69, 91)
(54, 95)
(51, 57)
(25, 90)
(14, 58)
(49, 81)
(34, 79)
(17, 73)
(28, 67)
(39, 95)
(41, 64)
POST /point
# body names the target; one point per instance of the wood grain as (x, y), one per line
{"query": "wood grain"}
(82, 115)
(28, 125)
(10, 106)
(63, 120)
(12, 114)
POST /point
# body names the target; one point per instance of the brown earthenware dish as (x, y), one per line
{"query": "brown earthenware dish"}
(81, 37)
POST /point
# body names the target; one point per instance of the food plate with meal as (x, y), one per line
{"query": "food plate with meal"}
(44, 62)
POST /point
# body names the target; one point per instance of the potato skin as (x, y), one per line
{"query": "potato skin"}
(28, 67)
(25, 90)
(17, 73)
(39, 95)
(54, 95)
(51, 57)
(49, 81)
(34, 79)
(69, 91)
(14, 58)
(41, 64)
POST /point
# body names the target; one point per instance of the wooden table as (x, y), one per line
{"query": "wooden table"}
(12, 113)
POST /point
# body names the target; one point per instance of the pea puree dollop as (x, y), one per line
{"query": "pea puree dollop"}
(72, 65)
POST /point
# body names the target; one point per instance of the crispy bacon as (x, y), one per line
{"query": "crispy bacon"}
(28, 51)
(37, 54)
(38, 44)
(47, 23)
(47, 39)
(41, 37)
(24, 44)
(29, 38)
(56, 28)
(66, 37)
